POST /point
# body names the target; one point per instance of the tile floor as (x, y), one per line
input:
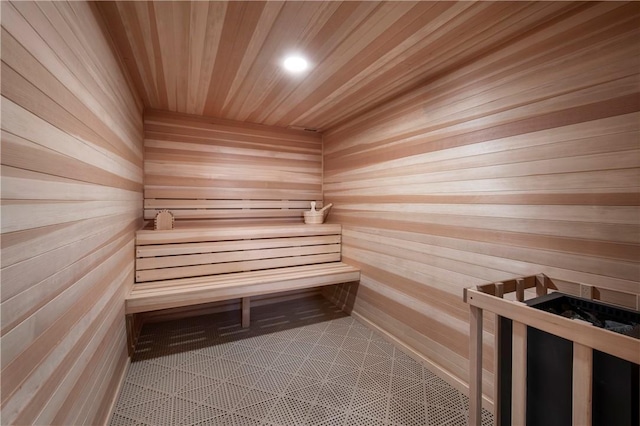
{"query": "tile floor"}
(302, 362)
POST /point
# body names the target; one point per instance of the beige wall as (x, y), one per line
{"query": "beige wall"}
(71, 201)
(524, 161)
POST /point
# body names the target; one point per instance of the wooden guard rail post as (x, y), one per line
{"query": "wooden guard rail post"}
(585, 338)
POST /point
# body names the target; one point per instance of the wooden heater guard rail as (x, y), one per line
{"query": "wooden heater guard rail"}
(584, 336)
(185, 267)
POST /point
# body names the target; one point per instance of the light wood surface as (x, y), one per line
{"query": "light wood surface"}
(519, 375)
(192, 291)
(223, 59)
(150, 238)
(215, 169)
(475, 365)
(582, 385)
(524, 160)
(238, 262)
(72, 144)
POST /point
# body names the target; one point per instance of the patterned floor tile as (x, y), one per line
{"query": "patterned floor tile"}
(320, 415)
(296, 367)
(289, 411)
(256, 404)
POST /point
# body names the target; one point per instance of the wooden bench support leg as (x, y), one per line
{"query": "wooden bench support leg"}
(246, 312)
(130, 334)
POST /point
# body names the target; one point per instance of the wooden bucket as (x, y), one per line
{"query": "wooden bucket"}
(314, 217)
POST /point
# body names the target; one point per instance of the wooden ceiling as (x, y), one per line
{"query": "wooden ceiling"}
(222, 59)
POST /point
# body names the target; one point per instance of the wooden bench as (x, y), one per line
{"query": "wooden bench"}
(184, 267)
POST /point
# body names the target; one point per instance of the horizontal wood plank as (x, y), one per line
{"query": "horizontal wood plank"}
(223, 246)
(187, 292)
(234, 256)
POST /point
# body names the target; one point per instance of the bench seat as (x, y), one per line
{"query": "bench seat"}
(156, 295)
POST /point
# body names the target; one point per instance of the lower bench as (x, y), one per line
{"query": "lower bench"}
(184, 267)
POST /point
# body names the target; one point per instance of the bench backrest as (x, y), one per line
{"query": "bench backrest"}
(183, 253)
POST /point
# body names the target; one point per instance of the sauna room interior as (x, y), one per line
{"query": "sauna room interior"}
(471, 157)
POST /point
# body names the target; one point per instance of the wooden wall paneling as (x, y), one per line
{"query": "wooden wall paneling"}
(520, 162)
(29, 126)
(43, 278)
(556, 143)
(620, 273)
(83, 352)
(33, 375)
(72, 145)
(61, 66)
(93, 408)
(22, 245)
(202, 168)
(414, 287)
(38, 329)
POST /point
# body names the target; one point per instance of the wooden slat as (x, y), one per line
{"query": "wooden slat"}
(226, 204)
(238, 193)
(582, 385)
(180, 284)
(497, 373)
(145, 237)
(228, 213)
(519, 375)
(220, 246)
(618, 345)
(191, 291)
(223, 268)
(233, 256)
(475, 367)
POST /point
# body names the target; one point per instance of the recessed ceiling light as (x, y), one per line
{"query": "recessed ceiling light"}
(295, 64)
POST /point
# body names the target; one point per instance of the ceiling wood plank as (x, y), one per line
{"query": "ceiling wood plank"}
(222, 59)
